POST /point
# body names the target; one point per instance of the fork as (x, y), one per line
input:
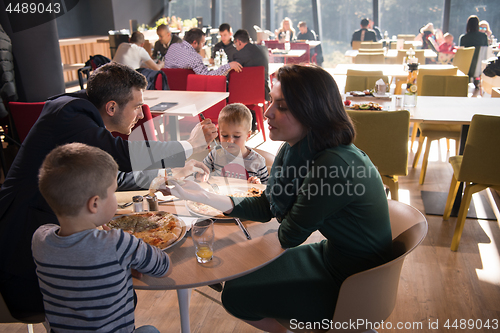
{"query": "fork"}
(219, 150)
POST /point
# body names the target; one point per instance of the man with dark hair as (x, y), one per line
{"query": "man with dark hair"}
(364, 34)
(186, 55)
(134, 55)
(251, 55)
(226, 42)
(165, 39)
(308, 34)
(113, 102)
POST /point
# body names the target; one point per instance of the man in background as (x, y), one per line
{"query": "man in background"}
(134, 55)
(251, 55)
(226, 42)
(308, 34)
(165, 39)
(186, 55)
(364, 34)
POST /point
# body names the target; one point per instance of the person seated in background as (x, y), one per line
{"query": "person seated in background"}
(286, 29)
(371, 25)
(429, 37)
(364, 34)
(251, 55)
(448, 46)
(134, 55)
(235, 128)
(186, 55)
(165, 39)
(226, 42)
(85, 273)
(307, 34)
(484, 27)
(473, 37)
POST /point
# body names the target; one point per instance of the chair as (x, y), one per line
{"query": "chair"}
(356, 44)
(176, 77)
(477, 167)
(359, 80)
(267, 156)
(448, 84)
(495, 92)
(407, 37)
(247, 87)
(303, 59)
(370, 58)
(6, 317)
(24, 116)
(147, 127)
(371, 50)
(463, 58)
(209, 83)
(371, 45)
(383, 136)
(371, 294)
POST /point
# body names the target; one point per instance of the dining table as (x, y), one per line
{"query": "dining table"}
(280, 53)
(234, 254)
(181, 104)
(391, 54)
(392, 70)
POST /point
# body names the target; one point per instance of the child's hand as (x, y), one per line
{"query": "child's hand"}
(254, 180)
(201, 177)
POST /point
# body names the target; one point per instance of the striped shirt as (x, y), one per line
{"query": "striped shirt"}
(254, 164)
(85, 278)
(183, 55)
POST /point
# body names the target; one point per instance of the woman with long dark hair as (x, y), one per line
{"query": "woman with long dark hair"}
(319, 181)
(475, 38)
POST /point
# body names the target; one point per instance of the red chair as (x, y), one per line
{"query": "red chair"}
(209, 83)
(304, 59)
(24, 116)
(176, 77)
(148, 128)
(248, 87)
(274, 44)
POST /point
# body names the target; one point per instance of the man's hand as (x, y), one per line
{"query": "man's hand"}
(235, 66)
(202, 134)
(191, 167)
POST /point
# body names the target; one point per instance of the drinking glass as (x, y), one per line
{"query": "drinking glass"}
(202, 233)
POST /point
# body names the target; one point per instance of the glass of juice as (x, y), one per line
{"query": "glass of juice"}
(202, 233)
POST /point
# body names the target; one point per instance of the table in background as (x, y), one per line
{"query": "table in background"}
(392, 53)
(277, 53)
(392, 70)
(190, 103)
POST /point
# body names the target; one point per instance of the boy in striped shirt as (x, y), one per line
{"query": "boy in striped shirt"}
(85, 273)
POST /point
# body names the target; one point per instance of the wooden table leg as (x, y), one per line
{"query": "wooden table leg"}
(183, 296)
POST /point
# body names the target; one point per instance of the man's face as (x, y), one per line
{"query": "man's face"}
(225, 36)
(164, 36)
(303, 29)
(127, 116)
(198, 46)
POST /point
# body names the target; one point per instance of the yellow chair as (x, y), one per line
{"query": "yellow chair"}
(383, 136)
(371, 45)
(361, 50)
(434, 71)
(407, 37)
(463, 58)
(477, 167)
(356, 44)
(371, 294)
(358, 80)
(370, 58)
(445, 85)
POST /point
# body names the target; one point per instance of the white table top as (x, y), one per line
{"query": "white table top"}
(392, 53)
(190, 103)
(289, 54)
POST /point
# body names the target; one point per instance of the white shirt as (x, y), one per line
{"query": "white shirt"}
(131, 54)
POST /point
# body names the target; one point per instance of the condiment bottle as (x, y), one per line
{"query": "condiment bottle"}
(152, 203)
(138, 206)
(411, 84)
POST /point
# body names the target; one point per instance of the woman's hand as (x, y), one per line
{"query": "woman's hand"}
(191, 167)
(254, 180)
(194, 192)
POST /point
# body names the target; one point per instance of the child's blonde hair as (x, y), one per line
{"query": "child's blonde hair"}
(237, 114)
(72, 174)
(447, 35)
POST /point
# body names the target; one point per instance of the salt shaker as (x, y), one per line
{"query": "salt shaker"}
(152, 203)
(137, 200)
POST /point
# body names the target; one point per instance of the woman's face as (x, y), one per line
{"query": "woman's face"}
(286, 25)
(283, 126)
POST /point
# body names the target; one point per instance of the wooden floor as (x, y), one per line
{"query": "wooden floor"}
(437, 286)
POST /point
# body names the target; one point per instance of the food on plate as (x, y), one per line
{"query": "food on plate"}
(159, 229)
(206, 210)
(347, 102)
(367, 106)
(159, 181)
(361, 93)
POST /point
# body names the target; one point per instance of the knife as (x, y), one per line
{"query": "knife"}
(242, 227)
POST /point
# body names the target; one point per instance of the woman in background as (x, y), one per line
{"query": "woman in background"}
(473, 37)
(286, 26)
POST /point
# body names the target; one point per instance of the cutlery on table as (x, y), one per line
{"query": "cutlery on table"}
(219, 150)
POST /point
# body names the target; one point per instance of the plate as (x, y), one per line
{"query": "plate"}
(225, 190)
(181, 236)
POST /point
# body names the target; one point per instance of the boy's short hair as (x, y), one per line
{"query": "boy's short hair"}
(73, 173)
(237, 114)
(137, 38)
(242, 35)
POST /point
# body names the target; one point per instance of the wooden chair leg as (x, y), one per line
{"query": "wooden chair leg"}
(425, 161)
(462, 213)
(447, 144)
(393, 184)
(413, 135)
(451, 197)
(419, 151)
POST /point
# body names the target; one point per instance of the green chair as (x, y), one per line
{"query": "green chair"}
(359, 80)
(477, 167)
(371, 45)
(463, 58)
(383, 136)
(370, 58)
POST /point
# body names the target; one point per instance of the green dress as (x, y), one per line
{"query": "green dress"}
(342, 196)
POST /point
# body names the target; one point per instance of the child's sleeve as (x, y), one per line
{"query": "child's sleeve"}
(262, 173)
